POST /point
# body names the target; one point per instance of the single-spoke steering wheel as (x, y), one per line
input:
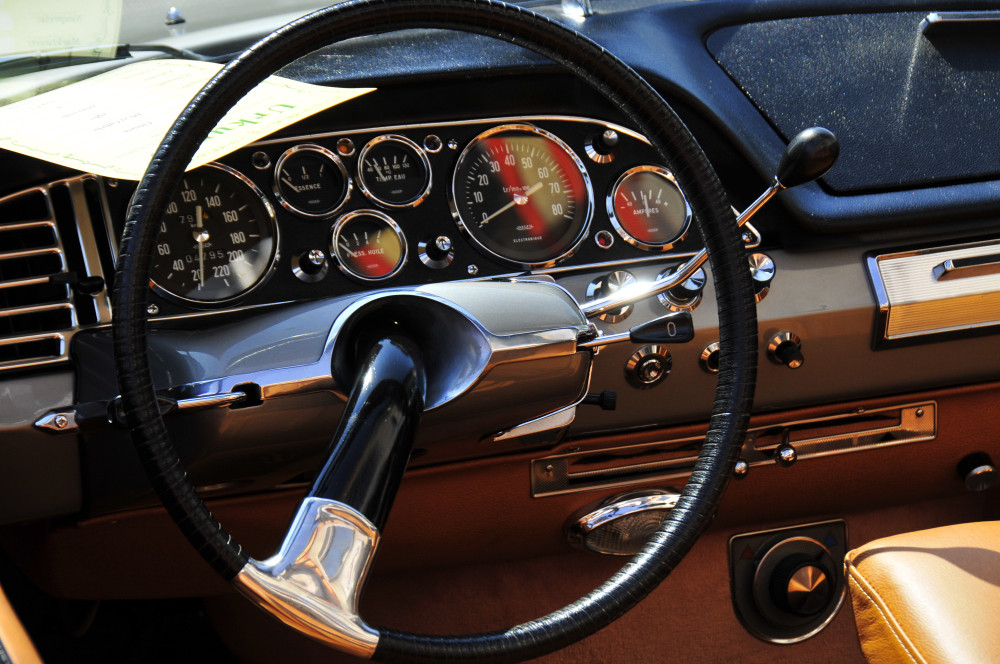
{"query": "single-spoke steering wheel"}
(313, 582)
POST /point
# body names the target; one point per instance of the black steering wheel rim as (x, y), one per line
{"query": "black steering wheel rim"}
(651, 116)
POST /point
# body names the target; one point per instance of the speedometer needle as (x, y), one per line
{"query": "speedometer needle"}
(201, 246)
(517, 201)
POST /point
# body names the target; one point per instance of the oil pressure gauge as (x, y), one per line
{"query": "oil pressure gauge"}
(311, 181)
(648, 208)
(369, 245)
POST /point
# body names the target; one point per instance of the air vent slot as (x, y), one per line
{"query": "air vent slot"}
(46, 243)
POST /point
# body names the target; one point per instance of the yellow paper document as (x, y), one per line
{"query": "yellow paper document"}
(112, 124)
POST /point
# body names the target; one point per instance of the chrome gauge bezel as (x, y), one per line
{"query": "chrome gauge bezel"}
(393, 226)
(264, 275)
(587, 185)
(628, 237)
(323, 152)
(424, 161)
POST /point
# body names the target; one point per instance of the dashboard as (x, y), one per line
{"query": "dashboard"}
(497, 167)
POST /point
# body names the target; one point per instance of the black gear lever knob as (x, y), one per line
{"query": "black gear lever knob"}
(808, 156)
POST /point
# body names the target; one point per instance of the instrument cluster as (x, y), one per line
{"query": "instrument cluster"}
(326, 214)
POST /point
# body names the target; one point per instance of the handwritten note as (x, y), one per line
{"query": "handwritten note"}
(111, 124)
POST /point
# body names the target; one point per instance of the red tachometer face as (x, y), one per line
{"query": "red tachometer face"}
(648, 209)
(369, 245)
(522, 195)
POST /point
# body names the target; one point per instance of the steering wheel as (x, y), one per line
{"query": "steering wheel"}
(313, 582)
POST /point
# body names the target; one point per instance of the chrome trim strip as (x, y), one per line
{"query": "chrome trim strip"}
(459, 123)
(312, 583)
(617, 508)
(211, 401)
(24, 282)
(7, 255)
(38, 308)
(552, 475)
(88, 244)
(556, 420)
(17, 226)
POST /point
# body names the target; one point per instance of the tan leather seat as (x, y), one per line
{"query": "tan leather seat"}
(930, 596)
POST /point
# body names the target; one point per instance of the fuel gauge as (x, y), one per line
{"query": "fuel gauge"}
(311, 181)
(648, 208)
(369, 245)
(394, 171)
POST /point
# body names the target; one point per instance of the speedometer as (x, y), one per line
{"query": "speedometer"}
(522, 195)
(217, 240)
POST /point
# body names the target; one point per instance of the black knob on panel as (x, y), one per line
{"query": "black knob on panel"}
(800, 585)
(607, 400)
(977, 471)
(786, 348)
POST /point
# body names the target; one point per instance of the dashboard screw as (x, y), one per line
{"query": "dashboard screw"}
(473, 270)
(152, 310)
(61, 421)
(452, 144)
(443, 243)
(316, 257)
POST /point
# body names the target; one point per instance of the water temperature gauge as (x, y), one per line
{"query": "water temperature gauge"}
(648, 209)
(369, 245)
(394, 171)
(311, 181)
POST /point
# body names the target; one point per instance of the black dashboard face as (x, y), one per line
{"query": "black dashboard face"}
(326, 214)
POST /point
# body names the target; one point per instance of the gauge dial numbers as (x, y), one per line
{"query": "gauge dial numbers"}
(648, 209)
(218, 238)
(369, 245)
(394, 172)
(522, 196)
(311, 181)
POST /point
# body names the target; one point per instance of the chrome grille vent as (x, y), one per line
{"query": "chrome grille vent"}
(46, 244)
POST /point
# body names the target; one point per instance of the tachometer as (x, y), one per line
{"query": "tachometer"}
(522, 195)
(217, 240)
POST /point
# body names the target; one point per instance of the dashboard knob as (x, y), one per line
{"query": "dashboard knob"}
(310, 266)
(605, 286)
(685, 295)
(786, 348)
(785, 455)
(800, 585)
(977, 471)
(761, 272)
(436, 253)
(648, 366)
